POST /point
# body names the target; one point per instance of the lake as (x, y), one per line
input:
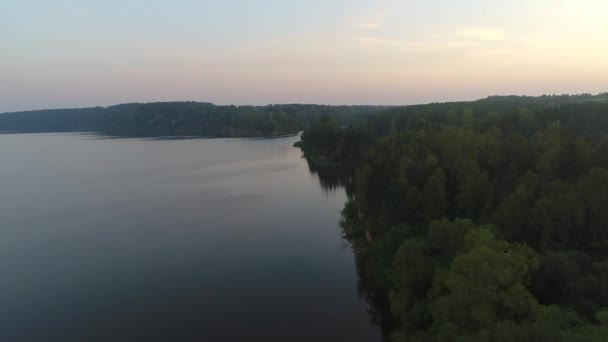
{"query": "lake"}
(124, 239)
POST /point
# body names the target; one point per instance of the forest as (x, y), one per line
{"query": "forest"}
(478, 221)
(181, 119)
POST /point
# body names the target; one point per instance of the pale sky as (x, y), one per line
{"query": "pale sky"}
(65, 53)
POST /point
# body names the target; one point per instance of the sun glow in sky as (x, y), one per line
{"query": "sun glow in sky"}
(66, 53)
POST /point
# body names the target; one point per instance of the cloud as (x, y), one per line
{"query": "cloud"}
(474, 37)
(373, 22)
(482, 33)
(371, 25)
(380, 41)
(402, 45)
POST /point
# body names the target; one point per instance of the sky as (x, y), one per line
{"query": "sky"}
(62, 53)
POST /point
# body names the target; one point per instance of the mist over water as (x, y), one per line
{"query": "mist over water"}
(171, 240)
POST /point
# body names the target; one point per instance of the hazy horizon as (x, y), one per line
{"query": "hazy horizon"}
(68, 54)
(304, 103)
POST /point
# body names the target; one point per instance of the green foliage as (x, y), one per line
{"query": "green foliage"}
(182, 118)
(489, 218)
(484, 286)
(435, 194)
(322, 135)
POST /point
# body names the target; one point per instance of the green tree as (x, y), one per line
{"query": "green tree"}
(435, 194)
(484, 287)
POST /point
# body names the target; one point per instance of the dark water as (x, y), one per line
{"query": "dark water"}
(171, 240)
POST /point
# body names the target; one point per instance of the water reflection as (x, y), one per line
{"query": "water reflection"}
(153, 136)
(171, 240)
(378, 302)
(334, 179)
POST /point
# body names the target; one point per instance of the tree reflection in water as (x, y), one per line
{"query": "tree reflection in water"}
(336, 178)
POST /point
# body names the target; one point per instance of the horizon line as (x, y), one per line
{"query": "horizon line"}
(309, 104)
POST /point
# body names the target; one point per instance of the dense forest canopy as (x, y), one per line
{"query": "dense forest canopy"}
(181, 118)
(479, 221)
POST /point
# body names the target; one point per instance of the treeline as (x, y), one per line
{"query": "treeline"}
(181, 118)
(480, 221)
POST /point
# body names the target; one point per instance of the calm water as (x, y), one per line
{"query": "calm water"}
(171, 240)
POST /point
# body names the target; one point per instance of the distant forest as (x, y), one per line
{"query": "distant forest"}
(478, 221)
(181, 119)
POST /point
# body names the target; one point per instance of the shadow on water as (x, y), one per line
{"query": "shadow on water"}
(333, 178)
(336, 178)
(110, 136)
(154, 136)
(148, 135)
(379, 306)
